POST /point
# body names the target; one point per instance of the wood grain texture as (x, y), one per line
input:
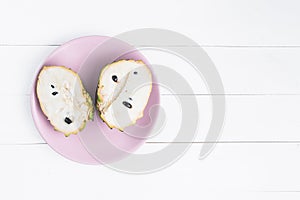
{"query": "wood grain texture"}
(233, 171)
(243, 71)
(248, 119)
(232, 22)
(255, 46)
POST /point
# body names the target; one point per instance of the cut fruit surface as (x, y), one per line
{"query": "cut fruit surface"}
(123, 92)
(63, 99)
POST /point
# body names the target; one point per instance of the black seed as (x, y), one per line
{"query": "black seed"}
(114, 78)
(68, 120)
(130, 98)
(135, 73)
(128, 105)
(52, 86)
(54, 93)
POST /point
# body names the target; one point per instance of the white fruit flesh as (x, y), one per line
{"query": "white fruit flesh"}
(63, 99)
(123, 92)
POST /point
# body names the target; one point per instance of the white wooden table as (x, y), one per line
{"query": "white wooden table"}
(255, 45)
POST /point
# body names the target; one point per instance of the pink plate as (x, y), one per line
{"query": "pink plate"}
(79, 55)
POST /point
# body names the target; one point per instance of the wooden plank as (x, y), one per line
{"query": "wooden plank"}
(242, 70)
(248, 119)
(233, 171)
(20, 64)
(257, 22)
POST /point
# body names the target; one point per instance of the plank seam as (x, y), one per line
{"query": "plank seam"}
(204, 46)
(161, 142)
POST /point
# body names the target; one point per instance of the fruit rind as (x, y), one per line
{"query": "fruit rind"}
(100, 98)
(84, 93)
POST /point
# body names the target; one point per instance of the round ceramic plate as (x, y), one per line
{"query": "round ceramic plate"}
(79, 55)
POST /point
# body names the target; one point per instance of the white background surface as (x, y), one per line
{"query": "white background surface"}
(255, 46)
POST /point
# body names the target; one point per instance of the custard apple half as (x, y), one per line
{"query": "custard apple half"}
(123, 92)
(63, 99)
